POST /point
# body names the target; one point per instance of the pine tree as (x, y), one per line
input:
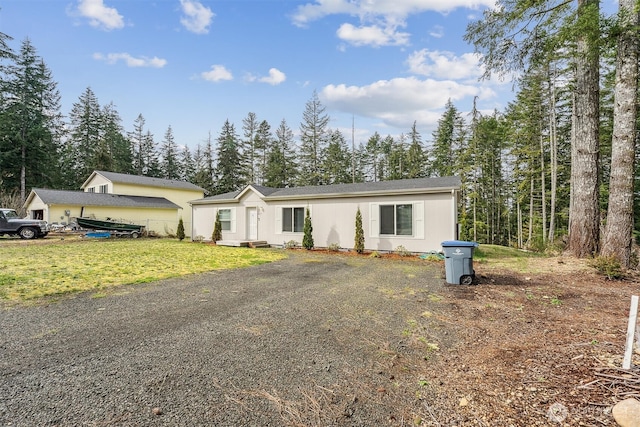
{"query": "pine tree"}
(228, 176)
(313, 140)
(180, 231)
(281, 168)
(358, 244)
(307, 240)
(416, 157)
(217, 229)
(250, 160)
(117, 145)
(30, 121)
(187, 165)
(169, 164)
(264, 141)
(337, 162)
(448, 140)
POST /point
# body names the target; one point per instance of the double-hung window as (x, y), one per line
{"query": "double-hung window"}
(225, 219)
(396, 220)
(293, 220)
(104, 188)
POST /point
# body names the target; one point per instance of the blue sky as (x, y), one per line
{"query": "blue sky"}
(193, 64)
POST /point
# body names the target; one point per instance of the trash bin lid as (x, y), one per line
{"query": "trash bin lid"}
(459, 243)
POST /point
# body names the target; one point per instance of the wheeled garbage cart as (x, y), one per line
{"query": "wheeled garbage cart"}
(458, 262)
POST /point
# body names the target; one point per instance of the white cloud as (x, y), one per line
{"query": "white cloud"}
(274, 78)
(390, 9)
(217, 73)
(142, 61)
(372, 35)
(443, 64)
(197, 17)
(100, 16)
(400, 101)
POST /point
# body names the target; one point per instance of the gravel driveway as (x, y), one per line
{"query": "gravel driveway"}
(314, 339)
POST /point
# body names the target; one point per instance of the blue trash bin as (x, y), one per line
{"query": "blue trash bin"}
(458, 262)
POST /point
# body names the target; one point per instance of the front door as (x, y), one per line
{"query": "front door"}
(252, 224)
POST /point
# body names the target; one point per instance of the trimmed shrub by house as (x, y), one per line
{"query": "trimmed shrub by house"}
(307, 240)
(217, 229)
(358, 244)
(180, 233)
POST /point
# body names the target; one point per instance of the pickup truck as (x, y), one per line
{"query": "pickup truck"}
(13, 225)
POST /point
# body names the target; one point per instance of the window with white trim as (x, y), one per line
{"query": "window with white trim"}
(293, 219)
(104, 188)
(396, 220)
(225, 219)
(91, 190)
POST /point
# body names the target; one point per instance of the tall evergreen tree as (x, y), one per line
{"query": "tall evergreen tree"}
(618, 230)
(30, 123)
(249, 149)
(264, 141)
(281, 167)
(169, 164)
(313, 141)
(448, 140)
(187, 165)
(416, 156)
(228, 175)
(337, 162)
(84, 139)
(113, 137)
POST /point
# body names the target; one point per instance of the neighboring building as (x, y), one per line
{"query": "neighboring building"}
(156, 203)
(417, 214)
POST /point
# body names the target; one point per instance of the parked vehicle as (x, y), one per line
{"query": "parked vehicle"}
(11, 224)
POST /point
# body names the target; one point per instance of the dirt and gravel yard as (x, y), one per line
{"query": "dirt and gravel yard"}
(323, 340)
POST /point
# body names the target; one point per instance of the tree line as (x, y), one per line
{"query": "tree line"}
(556, 167)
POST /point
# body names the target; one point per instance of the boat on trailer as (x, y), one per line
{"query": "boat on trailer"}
(103, 226)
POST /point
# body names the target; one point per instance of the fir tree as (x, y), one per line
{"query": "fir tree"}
(358, 245)
(180, 232)
(228, 174)
(307, 240)
(313, 140)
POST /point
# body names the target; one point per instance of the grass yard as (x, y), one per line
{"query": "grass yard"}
(49, 268)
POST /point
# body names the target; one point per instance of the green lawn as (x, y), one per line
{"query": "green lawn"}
(46, 268)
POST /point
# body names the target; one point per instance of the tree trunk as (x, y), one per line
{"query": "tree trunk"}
(618, 231)
(584, 224)
(553, 151)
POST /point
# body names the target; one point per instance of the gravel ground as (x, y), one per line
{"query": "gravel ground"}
(312, 340)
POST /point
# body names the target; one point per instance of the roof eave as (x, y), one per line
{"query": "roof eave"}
(365, 193)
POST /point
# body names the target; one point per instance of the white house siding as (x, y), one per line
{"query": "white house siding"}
(333, 219)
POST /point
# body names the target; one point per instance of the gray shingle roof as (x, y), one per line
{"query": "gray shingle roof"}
(80, 198)
(122, 178)
(402, 186)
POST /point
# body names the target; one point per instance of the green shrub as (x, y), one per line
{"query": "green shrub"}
(307, 240)
(608, 266)
(358, 245)
(374, 254)
(180, 233)
(217, 229)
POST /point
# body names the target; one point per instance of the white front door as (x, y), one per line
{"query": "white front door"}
(252, 224)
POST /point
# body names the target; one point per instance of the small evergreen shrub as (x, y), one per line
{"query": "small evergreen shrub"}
(374, 254)
(180, 233)
(608, 266)
(307, 240)
(217, 229)
(358, 244)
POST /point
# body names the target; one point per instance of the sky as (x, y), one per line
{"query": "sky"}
(376, 65)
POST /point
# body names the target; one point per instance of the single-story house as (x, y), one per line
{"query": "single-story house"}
(417, 214)
(156, 203)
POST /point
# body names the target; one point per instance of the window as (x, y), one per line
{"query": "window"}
(91, 190)
(293, 219)
(104, 188)
(396, 220)
(225, 219)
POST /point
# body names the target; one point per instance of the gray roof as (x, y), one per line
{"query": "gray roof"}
(80, 198)
(123, 178)
(401, 186)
